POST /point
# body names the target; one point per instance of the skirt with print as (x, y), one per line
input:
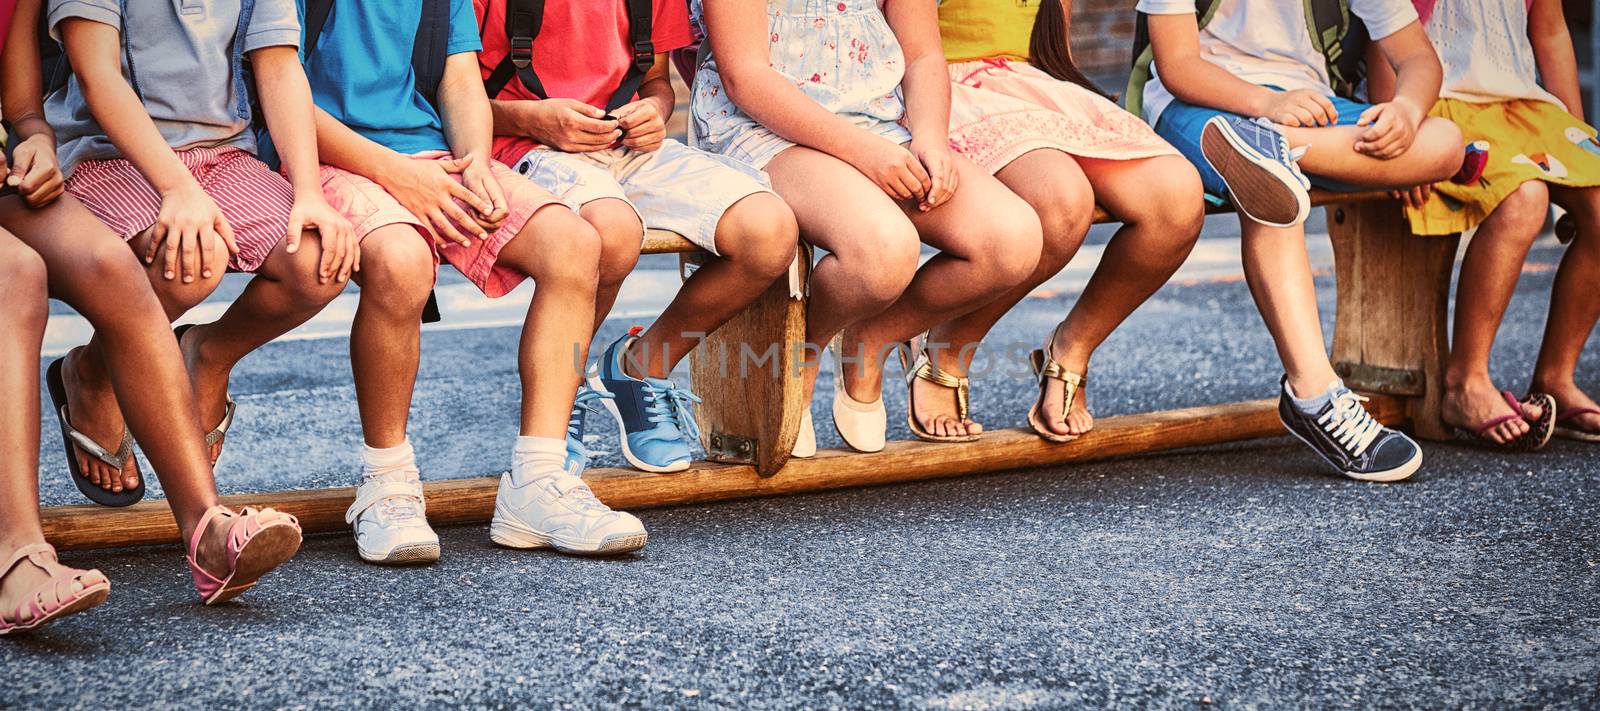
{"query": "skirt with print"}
(1508, 144)
(1000, 109)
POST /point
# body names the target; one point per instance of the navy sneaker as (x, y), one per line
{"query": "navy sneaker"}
(654, 415)
(1347, 437)
(1263, 177)
(577, 451)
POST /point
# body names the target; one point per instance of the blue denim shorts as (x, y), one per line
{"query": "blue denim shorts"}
(1181, 124)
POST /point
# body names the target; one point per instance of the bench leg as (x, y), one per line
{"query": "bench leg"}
(747, 374)
(1392, 332)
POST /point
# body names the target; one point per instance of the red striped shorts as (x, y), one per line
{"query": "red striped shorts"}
(255, 200)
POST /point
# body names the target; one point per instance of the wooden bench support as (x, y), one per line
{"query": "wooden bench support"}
(747, 376)
(471, 501)
(1391, 334)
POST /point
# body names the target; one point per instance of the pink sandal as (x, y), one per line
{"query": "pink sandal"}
(69, 590)
(1574, 431)
(259, 540)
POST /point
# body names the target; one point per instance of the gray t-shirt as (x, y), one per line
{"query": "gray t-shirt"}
(183, 67)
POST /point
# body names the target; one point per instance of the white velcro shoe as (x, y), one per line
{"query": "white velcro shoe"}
(560, 511)
(391, 521)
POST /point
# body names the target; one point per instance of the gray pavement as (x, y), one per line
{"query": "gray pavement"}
(1242, 575)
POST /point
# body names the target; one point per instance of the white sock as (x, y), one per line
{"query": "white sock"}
(536, 458)
(389, 460)
(1312, 405)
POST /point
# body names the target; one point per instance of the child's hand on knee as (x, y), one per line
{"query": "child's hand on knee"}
(189, 225)
(893, 169)
(341, 252)
(940, 165)
(34, 171)
(1301, 107)
(1391, 127)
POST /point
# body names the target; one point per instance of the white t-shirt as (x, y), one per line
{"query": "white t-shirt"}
(1267, 42)
(1485, 51)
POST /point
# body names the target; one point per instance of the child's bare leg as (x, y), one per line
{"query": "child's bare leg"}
(1162, 208)
(285, 293)
(872, 248)
(757, 237)
(1488, 278)
(397, 271)
(1278, 270)
(1574, 307)
(621, 235)
(1330, 151)
(561, 252)
(989, 241)
(23, 290)
(95, 273)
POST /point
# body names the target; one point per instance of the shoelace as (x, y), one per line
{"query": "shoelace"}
(671, 405)
(1291, 156)
(581, 407)
(1350, 423)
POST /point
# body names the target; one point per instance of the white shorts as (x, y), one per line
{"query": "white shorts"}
(674, 188)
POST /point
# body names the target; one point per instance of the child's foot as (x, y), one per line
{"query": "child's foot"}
(938, 396)
(231, 550)
(389, 513)
(654, 414)
(93, 410)
(1078, 421)
(552, 509)
(1577, 414)
(36, 589)
(1470, 406)
(1255, 160)
(210, 383)
(1337, 426)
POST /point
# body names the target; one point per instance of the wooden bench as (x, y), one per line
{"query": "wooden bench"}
(1389, 342)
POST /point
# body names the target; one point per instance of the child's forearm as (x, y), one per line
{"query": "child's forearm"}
(464, 108)
(659, 90)
(21, 88)
(1175, 40)
(1553, 53)
(785, 110)
(95, 51)
(286, 101)
(927, 93)
(341, 147)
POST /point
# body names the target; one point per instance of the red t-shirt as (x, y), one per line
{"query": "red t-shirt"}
(7, 7)
(581, 52)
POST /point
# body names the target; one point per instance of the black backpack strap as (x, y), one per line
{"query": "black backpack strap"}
(1341, 38)
(316, 18)
(524, 18)
(641, 45)
(428, 52)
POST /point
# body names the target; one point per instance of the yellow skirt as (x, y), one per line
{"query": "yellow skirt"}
(1522, 140)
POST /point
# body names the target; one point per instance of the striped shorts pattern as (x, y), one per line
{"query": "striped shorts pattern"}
(255, 200)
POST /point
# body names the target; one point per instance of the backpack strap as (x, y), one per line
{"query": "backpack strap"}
(316, 18)
(1341, 39)
(241, 85)
(524, 18)
(428, 51)
(641, 16)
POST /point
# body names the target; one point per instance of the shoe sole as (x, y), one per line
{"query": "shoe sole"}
(622, 435)
(514, 535)
(271, 547)
(1400, 473)
(1262, 189)
(409, 554)
(96, 595)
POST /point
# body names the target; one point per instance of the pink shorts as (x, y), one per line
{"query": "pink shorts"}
(255, 201)
(369, 207)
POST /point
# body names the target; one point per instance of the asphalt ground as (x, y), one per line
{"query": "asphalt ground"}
(1243, 575)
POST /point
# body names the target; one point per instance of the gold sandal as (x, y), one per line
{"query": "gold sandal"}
(924, 369)
(1045, 366)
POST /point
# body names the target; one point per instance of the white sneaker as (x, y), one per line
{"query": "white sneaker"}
(560, 511)
(391, 521)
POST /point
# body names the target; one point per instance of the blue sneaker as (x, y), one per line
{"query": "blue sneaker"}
(577, 453)
(658, 428)
(1263, 176)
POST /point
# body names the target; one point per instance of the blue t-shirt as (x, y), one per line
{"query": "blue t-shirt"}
(361, 70)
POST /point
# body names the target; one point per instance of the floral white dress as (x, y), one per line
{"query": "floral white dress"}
(841, 53)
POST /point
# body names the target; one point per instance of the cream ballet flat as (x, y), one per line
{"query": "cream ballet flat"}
(862, 425)
(805, 445)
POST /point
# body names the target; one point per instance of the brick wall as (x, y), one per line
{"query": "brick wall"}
(1102, 40)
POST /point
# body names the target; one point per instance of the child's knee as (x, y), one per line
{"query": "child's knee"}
(621, 234)
(569, 251)
(397, 270)
(885, 257)
(760, 235)
(23, 276)
(1527, 207)
(1065, 218)
(305, 284)
(175, 292)
(1439, 146)
(1013, 244)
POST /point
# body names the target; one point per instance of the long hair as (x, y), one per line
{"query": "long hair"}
(1050, 47)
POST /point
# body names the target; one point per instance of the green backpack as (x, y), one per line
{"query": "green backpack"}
(1339, 36)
